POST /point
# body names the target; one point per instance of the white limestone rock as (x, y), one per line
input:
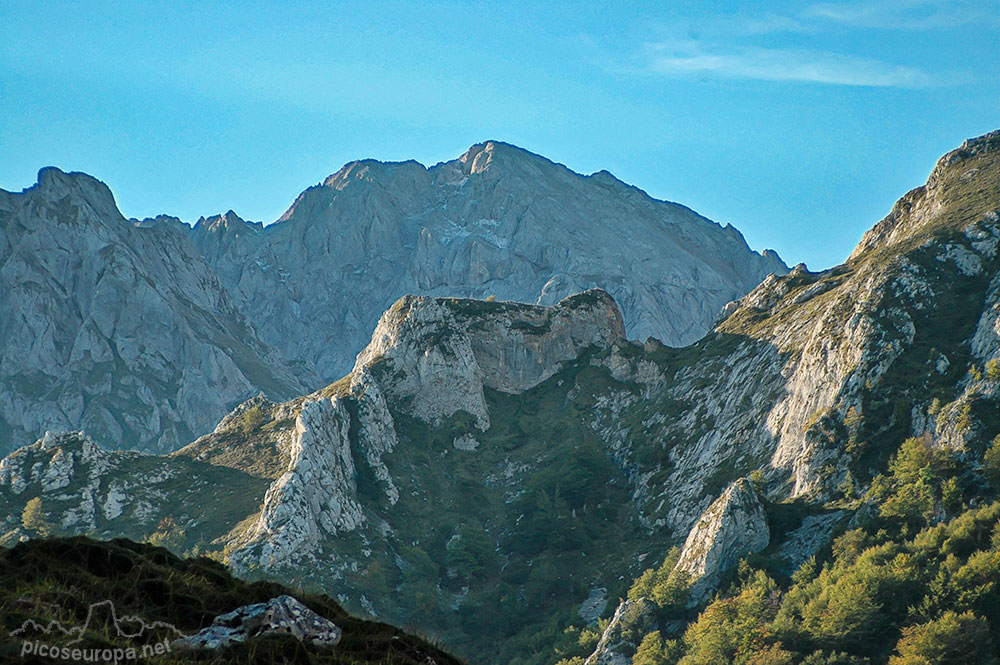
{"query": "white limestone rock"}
(434, 356)
(617, 644)
(117, 328)
(376, 429)
(281, 615)
(733, 526)
(315, 498)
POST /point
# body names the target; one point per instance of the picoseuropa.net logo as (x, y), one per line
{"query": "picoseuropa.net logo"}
(134, 638)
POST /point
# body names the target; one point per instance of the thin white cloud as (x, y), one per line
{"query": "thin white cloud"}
(915, 15)
(770, 64)
(745, 25)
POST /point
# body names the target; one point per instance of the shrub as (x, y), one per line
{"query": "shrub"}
(251, 419)
(33, 518)
(993, 370)
(668, 588)
(654, 650)
(954, 638)
(991, 463)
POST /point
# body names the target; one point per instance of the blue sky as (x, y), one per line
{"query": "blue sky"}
(798, 122)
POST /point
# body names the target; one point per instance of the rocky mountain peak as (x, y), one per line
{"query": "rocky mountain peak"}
(498, 220)
(372, 170)
(973, 147)
(962, 187)
(54, 178)
(72, 188)
(116, 327)
(499, 159)
(226, 223)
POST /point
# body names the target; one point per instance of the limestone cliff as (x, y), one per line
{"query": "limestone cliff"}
(116, 328)
(732, 527)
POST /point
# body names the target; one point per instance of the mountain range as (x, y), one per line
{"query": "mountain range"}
(528, 484)
(145, 333)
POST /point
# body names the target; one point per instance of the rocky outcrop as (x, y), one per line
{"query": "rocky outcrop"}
(376, 429)
(84, 488)
(118, 329)
(733, 526)
(283, 615)
(436, 355)
(498, 220)
(632, 620)
(314, 498)
(68, 466)
(810, 536)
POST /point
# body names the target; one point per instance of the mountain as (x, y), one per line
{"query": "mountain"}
(121, 595)
(116, 328)
(498, 221)
(144, 334)
(817, 475)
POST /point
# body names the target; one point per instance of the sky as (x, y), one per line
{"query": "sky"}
(798, 122)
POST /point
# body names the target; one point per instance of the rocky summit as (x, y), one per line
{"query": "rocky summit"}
(116, 328)
(144, 334)
(497, 221)
(814, 481)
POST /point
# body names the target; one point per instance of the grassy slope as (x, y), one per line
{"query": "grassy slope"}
(60, 578)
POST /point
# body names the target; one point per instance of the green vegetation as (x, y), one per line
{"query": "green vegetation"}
(993, 370)
(539, 497)
(991, 463)
(668, 588)
(58, 579)
(33, 518)
(874, 597)
(250, 419)
(921, 481)
(954, 638)
(916, 582)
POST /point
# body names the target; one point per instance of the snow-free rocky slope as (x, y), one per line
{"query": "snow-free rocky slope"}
(144, 334)
(116, 328)
(497, 474)
(499, 221)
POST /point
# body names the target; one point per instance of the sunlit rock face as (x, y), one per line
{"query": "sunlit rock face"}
(116, 328)
(496, 221)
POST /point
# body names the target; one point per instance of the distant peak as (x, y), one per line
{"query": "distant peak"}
(228, 221)
(366, 169)
(50, 177)
(481, 156)
(54, 182)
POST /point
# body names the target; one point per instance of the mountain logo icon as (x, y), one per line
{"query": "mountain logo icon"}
(146, 638)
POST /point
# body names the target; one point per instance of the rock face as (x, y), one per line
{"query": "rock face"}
(498, 220)
(442, 353)
(315, 497)
(116, 328)
(733, 526)
(144, 333)
(85, 488)
(618, 642)
(281, 615)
